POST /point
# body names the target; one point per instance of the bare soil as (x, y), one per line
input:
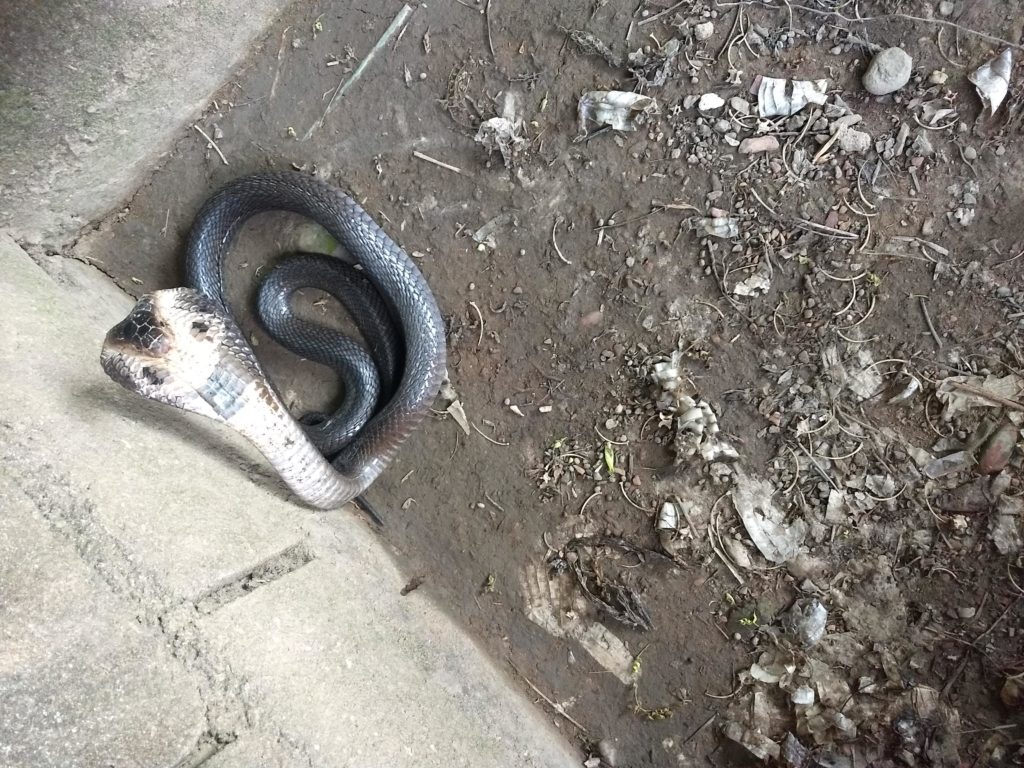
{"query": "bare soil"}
(579, 331)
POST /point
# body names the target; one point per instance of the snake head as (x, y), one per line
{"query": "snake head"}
(175, 347)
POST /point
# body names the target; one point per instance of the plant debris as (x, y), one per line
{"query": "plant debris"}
(992, 80)
(779, 97)
(619, 110)
(775, 538)
(503, 133)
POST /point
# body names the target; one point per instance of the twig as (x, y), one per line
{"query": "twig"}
(818, 467)
(554, 242)
(821, 229)
(717, 547)
(487, 22)
(590, 498)
(608, 439)
(661, 14)
(956, 672)
(211, 144)
(882, 17)
(928, 320)
(694, 735)
(764, 204)
(999, 618)
(429, 159)
(277, 69)
(490, 440)
(990, 396)
(480, 317)
(557, 707)
(622, 487)
(393, 27)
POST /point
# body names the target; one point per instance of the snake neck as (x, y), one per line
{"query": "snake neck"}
(262, 419)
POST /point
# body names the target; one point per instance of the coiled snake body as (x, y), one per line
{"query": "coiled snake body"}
(182, 347)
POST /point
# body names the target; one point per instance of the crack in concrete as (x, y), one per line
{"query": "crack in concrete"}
(270, 570)
(229, 698)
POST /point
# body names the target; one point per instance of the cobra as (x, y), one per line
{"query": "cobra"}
(182, 346)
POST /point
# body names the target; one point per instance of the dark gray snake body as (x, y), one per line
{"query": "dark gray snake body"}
(187, 335)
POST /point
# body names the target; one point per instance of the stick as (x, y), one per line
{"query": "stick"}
(928, 320)
(557, 707)
(277, 70)
(882, 17)
(487, 22)
(211, 144)
(659, 15)
(1005, 402)
(693, 735)
(438, 163)
(490, 440)
(554, 242)
(397, 22)
(480, 317)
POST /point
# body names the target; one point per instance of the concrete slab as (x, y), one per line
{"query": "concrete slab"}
(92, 92)
(81, 681)
(166, 495)
(358, 675)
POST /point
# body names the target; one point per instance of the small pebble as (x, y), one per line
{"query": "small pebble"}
(710, 101)
(704, 30)
(970, 153)
(740, 105)
(609, 754)
(756, 144)
(854, 141)
(946, 8)
(922, 145)
(889, 71)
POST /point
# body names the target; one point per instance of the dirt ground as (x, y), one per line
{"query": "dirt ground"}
(847, 332)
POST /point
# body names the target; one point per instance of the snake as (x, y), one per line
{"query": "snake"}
(183, 346)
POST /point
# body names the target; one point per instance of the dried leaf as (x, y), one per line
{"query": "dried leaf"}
(992, 80)
(1005, 530)
(960, 399)
(456, 411)
(766, 525)
(609, 458)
